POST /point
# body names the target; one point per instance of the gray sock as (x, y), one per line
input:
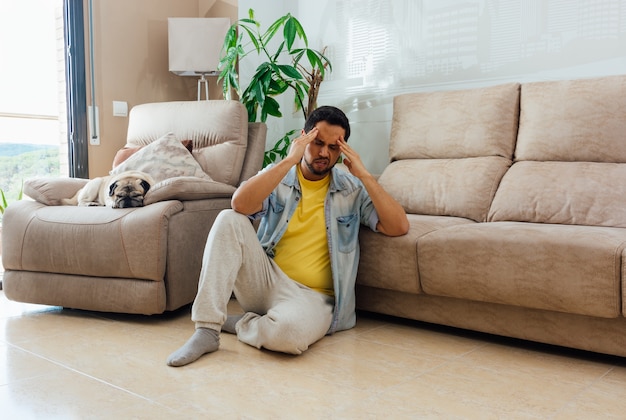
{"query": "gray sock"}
(203, 340)
(229, 325)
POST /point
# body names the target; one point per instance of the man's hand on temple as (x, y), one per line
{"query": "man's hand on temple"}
(352, 160)
(392, 217)
(298, 146)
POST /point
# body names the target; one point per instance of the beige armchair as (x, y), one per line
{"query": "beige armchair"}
(143, 260)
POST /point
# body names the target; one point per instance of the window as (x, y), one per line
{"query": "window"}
(32, 102)
(42, 85)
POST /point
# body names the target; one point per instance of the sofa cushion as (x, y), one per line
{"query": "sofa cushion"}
(576, 193)
(573, 120)
(391, 262)
(127, 152)
(572, 269)
(455, 124)
(445, 187)
(218, 129)
(164, 158)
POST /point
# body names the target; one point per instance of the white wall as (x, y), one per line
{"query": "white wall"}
(380, 49)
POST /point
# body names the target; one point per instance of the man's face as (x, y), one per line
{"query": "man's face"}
(322, 153)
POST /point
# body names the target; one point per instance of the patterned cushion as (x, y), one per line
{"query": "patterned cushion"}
(164, 158)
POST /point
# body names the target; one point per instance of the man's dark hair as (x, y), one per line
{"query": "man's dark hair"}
(332, 115)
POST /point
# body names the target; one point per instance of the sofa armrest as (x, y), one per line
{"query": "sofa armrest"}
(185, 188)
(50, 191)
(88, 241)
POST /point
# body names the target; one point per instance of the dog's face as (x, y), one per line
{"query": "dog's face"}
(128, 189)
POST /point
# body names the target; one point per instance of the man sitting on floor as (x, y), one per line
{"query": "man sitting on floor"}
(295, 276)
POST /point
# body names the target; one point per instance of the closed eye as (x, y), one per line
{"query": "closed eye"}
(333, 147)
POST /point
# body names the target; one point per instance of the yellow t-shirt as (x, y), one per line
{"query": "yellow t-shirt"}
(302, 252)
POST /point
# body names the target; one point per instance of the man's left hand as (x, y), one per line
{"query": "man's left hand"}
(352, 160)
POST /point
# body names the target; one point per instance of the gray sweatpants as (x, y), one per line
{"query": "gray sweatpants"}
(281, 314)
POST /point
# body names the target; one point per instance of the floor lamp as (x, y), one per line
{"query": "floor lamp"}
(194, 46)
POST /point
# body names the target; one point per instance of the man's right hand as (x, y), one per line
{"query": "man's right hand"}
(248, 198)
(298, 146)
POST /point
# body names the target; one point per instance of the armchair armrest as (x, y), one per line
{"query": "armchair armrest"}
(50, 191)
(185, 188)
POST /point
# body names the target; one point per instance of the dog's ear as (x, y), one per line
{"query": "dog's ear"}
(146, 185)
(112, 188)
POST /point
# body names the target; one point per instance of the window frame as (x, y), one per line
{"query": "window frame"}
(76, 88)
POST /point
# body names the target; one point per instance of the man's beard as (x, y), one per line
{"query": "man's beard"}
(316, 171)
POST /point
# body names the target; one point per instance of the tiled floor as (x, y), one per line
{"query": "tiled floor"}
(66, 364)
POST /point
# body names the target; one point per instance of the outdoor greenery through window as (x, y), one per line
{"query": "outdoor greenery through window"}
(33, 139)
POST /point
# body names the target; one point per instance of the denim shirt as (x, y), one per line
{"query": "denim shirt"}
(346, 207)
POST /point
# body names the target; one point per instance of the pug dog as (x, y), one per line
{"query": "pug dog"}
(126, 189)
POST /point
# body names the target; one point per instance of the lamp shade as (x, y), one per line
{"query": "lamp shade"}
(195, 44)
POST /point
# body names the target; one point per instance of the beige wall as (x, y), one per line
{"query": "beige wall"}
(131, 62)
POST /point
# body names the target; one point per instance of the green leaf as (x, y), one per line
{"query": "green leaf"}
(277, 87)
(263, 76)
(290, 71)
(230, 40)
(233, 81)
(300, 31)
(275, 68)
(289, 32)
(273, 106)
(253, 38)
(4, 202)
(258, 93)
(314, 59)
(297, 55)
(301, 93)
(271, 31)
(3, 199)
(230, 59)
(278, 51)
(251, 107)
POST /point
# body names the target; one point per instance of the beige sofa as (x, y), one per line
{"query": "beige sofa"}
(138, 260)
(516, 196)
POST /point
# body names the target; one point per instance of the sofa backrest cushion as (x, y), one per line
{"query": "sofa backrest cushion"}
(573, 120)
(575, 193)
(455, 124)
(218, 129)
(445, 187)
(450, 149)
(570, 155)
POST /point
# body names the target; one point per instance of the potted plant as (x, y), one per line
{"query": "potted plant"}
(287, 67)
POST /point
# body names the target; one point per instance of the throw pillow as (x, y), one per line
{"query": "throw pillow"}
(164, 158)
(124, 154)
(127, 152)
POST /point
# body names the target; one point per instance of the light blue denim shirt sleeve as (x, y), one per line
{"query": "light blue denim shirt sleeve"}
(347, 206)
